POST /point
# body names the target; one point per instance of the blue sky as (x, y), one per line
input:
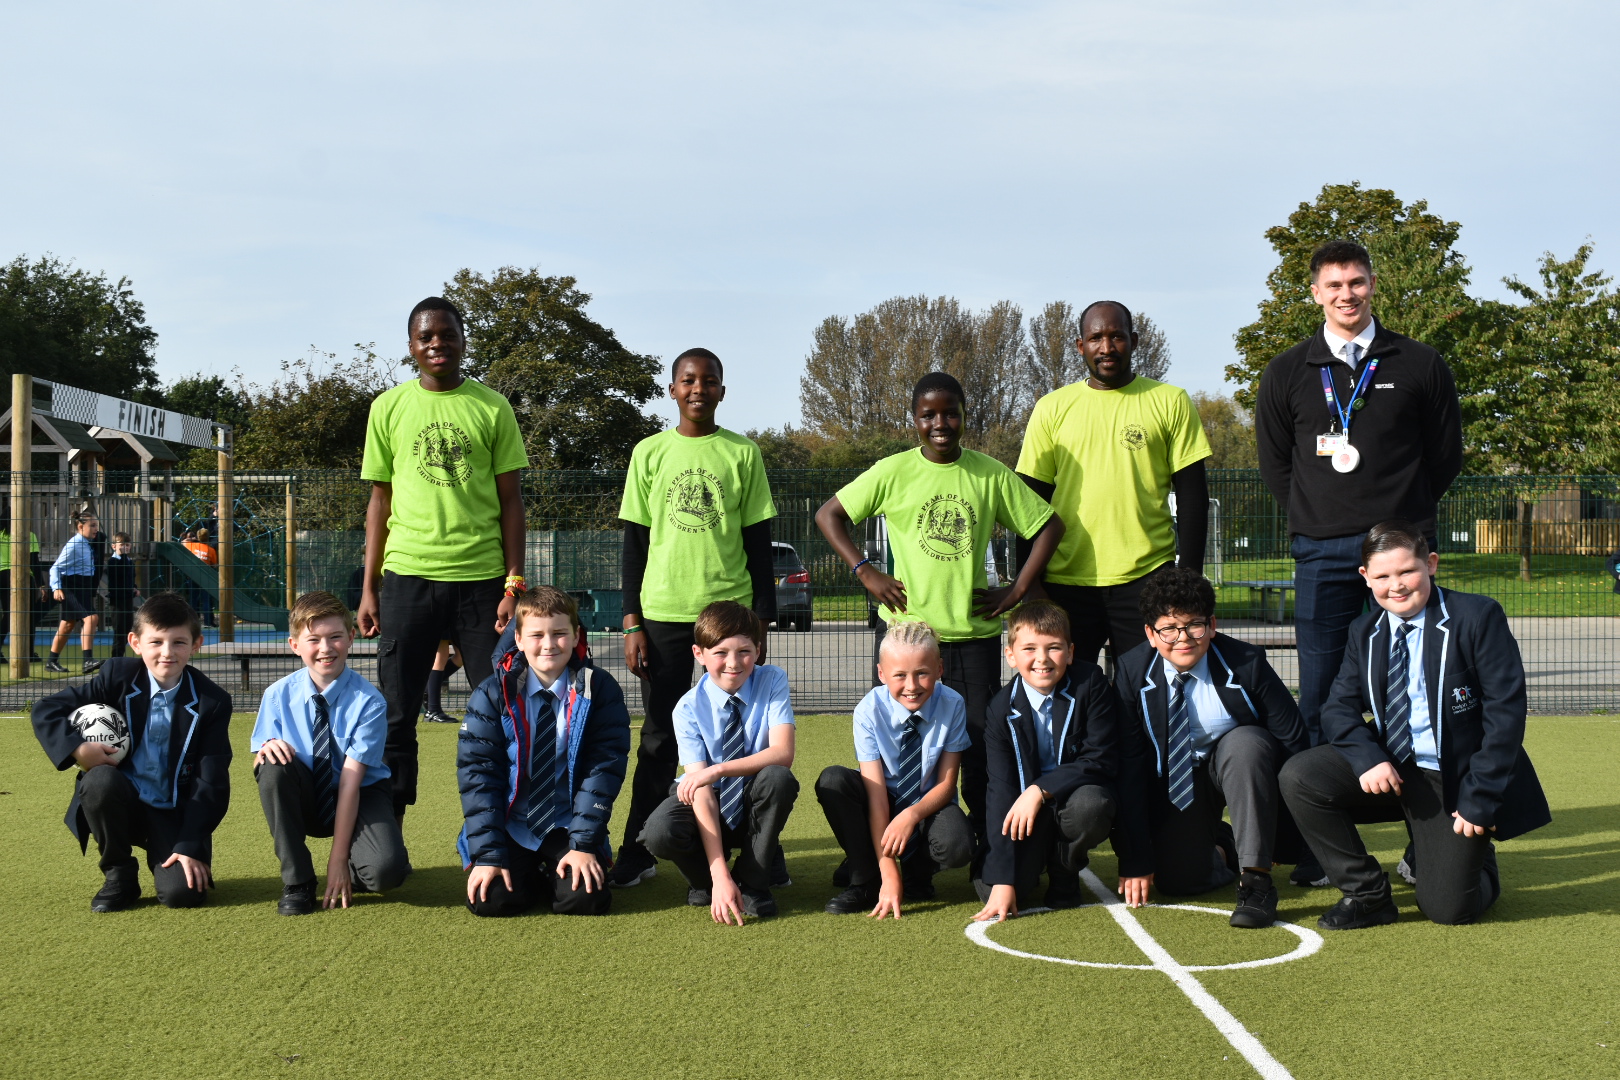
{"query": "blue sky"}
(728, 175)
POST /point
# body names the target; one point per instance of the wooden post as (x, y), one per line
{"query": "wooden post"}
(22, 459)
(292, 548)
(227, 540)
(1527, 534)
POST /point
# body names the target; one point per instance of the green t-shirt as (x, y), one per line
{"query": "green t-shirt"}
(442, 452)
(940, 518)
(695, 496)
(1109, 455)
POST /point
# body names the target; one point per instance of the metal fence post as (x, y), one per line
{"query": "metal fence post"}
(292, 548)
(22, 448)
(227, 541)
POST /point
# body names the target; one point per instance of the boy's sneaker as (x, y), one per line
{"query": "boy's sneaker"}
(92, 665)
(780, 879)
(855, 900)
(1407, 867)
(635, 865)
(1352, 914)
(697, 897)
(841, 876)
(1256, 902)
(1063, 894)
(1308, 873)
(434, 716)
(297, 899)
(53, 664)
(915, 889)
(121, 889)
(758, 902)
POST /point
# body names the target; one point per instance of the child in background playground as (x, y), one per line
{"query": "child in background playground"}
(199, 546)
(445, 665)
(121, 594)
(73, 582)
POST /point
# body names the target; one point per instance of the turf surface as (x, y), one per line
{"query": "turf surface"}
(412, 985)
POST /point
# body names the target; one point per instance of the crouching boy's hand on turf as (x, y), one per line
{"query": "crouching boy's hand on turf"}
(1135, 890)
(478, 882)
(339, 886)
(1003, 904)
(725, 899)
(579, 866)
(199, 877)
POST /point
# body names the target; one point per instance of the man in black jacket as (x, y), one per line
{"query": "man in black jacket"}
(1205, 723)
(170, 791)
(1441, 676)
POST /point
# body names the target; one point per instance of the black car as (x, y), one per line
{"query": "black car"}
(793, 604)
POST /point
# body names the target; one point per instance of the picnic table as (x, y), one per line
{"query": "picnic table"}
(1266, 589)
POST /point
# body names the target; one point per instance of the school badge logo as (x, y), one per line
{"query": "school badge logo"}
(1462, 698)
(1133, 436)
(695, 501)
(442, 454)
(945, 527)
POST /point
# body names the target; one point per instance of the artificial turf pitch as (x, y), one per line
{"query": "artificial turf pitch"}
(411, 985)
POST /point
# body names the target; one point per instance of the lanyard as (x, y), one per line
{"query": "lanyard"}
(1346, 412)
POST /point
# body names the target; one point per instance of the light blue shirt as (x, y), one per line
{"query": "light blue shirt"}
(1208, 714)
(77, 557)
(700, 716)
(880, 721)
(149, 762)
(517, 825)
(1045, 738)
(1424, 750)
(356, 713)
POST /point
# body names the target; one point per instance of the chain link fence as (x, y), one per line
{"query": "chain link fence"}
(1537, 544)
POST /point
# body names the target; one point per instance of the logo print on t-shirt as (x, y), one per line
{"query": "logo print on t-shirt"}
(1133, 436)
(441, 452)
(945, 527)
(695, 501)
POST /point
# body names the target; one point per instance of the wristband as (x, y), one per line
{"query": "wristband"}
(857, 567)
(632, 630)
(516, 585)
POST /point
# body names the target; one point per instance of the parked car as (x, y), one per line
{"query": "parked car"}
(793, 604)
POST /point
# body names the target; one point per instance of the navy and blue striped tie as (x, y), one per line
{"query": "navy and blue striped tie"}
(1398, 706)
(1181, 744)
(730, 788)
(542, 808)
(909, 769)
(325, 766)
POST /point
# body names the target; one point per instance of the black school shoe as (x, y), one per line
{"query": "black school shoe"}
(916, 890)
(696, 897)
(297, 899)
(434, 716)
(841, 875)
(53, 664)
(1352, 914)
(1256, 902)
(92, 665)
(635, 865)
(1308, 873)
(121, 889)
(855, 900)
(757, 902)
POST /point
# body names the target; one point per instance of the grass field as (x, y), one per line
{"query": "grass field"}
(413, 986)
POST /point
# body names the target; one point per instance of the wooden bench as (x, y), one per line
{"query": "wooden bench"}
(1266, 588)
(1269, 637)
(245, 651)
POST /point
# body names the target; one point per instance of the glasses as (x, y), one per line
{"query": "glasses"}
(1195, 631)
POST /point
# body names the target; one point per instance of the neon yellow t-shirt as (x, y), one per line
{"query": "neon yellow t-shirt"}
(695, 495)
(1109, 455)
(442, 452)
(940, 519)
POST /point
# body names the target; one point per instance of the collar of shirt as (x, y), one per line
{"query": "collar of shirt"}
(1199, 671)
(304, 690)
(1336, 343)
(717, 697)
(558, 689)
(1395, 621)
(899, 715)
(1036, 698)
(165, 697)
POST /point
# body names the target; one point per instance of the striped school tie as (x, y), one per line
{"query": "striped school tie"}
(325, 765)
(542, 808)
(1181, 744)
(909, 770)
(1398, 710)
(730, 789)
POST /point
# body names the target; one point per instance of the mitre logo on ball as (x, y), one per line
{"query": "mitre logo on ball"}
(102, 724)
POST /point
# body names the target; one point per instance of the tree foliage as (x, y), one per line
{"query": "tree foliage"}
(314, 416)
(789, 447)
(576, 390)
(1152, 355)
(75, 327)
(1230, 430)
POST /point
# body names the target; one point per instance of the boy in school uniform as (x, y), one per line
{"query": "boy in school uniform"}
(541, 758)
(697, 515)
(942, 502)
(318, 757)
(735, 732)
(1206, 724)
(170, 791)
(1440, 675)
(897, 819)
(1051, 752)
(73, 583)
(121, 594)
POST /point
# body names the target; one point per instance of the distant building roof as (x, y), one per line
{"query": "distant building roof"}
(75, 436)
(152, 451)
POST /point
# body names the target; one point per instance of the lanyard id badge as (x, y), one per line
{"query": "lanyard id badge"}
(1335, 444)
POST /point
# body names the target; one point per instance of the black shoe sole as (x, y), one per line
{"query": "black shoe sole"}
(1382, 917)
(630, 883)
(111, 904)
(1252, 918)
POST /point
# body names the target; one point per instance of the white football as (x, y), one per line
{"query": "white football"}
(102, 724)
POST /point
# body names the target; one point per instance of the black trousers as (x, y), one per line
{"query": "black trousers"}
(534, 878)
(672, 831)
(1103, 614)
(941, 842)
(121, 614)
(670, 664)
(415, 615)
(120, 822)
(1457, 876)
(1063, 835)
(377, 858)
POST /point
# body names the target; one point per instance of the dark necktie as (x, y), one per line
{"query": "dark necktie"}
(732, 747)
(1397, 706)
(325, 765)
(1181, 744)
(542, 807)
(909, 770)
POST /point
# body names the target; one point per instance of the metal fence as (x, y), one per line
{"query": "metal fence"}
(293, 532)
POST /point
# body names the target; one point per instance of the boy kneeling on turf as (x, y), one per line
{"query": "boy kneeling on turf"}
(170, 791)
(897, 819)
(318, 758)
(542, 757)
(1050, 745)
(735, 734)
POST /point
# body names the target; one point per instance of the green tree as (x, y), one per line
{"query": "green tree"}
(212, 398)
(75, 327)
(1054, 358)
(1152, 355)
(314, 417)
(577, 392)
(1230, 430)
(786, 447)
(1421, 278)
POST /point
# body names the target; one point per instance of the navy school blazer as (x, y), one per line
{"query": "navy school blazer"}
(199, 743)
(1253, 694)
(1475, 679)
(1086, 719)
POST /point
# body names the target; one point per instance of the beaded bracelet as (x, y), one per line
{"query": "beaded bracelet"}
(857, 567)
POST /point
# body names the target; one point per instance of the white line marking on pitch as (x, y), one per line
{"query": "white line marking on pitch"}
(1181, 974)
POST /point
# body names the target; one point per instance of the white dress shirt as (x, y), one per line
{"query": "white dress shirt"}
(1336, 344)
